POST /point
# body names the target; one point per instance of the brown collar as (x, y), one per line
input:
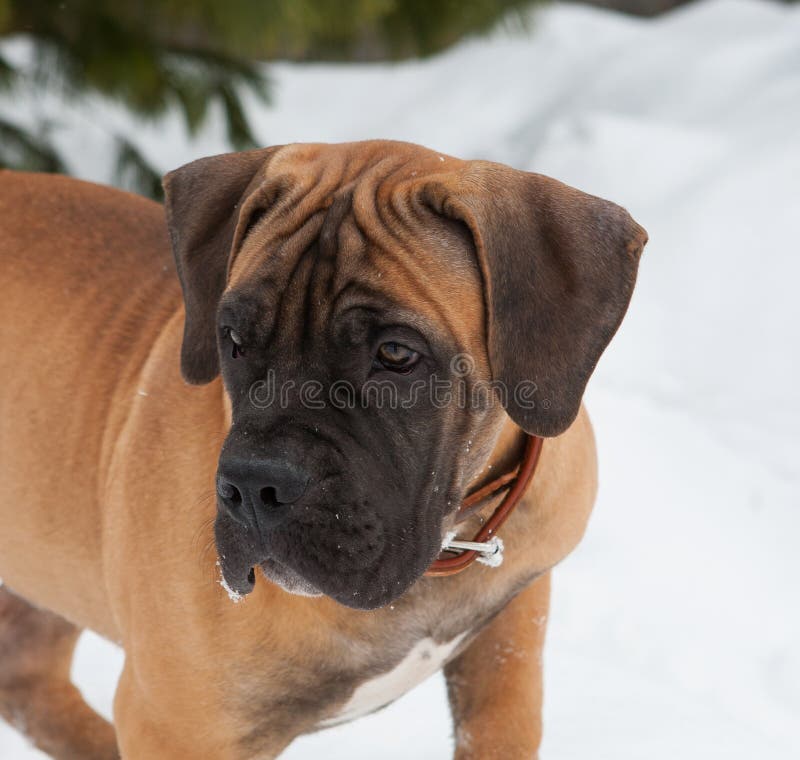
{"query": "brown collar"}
(518, 480)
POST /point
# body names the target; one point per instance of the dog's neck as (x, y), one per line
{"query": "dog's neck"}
(506, 454)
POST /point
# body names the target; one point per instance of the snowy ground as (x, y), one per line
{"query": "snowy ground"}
(675, 630)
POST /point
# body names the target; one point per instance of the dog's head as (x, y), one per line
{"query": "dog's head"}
(367, 304)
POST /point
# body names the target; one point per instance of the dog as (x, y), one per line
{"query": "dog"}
(170, 445)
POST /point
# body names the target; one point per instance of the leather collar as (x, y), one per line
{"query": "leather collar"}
(517, 482)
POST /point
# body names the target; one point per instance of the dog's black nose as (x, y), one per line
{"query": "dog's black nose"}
(259, 491)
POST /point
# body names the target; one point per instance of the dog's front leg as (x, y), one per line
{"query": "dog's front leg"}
(495, 685)
(151, 724)
(183, 719)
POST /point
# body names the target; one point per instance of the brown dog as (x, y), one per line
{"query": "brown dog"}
(308, 272)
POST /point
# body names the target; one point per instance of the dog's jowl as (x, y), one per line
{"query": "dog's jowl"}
(247, 441)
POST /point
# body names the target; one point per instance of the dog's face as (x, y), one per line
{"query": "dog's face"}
(375, 310)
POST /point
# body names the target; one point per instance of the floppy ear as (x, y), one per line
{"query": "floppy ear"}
(204, 202)
(558, 267)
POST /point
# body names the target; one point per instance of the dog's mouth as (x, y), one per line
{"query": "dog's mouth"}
(368, 586)
(286, 578)
(337, 552)
(238, 578)
(239, 566)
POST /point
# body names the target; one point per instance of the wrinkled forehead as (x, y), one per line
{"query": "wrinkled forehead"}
(348, 227)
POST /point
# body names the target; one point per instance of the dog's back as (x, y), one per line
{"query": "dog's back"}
(86, 282)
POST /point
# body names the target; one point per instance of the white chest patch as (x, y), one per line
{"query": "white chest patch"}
(422, 661)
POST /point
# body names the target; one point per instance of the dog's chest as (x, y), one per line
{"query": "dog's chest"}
(422, 661)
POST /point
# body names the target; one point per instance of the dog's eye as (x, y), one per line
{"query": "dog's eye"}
(236, 342)
(396, 357)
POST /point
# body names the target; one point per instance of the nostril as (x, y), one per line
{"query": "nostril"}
(269, 497)
(229, 492)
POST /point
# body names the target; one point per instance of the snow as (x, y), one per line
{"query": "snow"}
(675, 626)
(495, 559)
(234, 596)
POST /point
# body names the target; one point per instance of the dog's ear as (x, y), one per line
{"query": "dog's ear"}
(558, 267)
(205, 206)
